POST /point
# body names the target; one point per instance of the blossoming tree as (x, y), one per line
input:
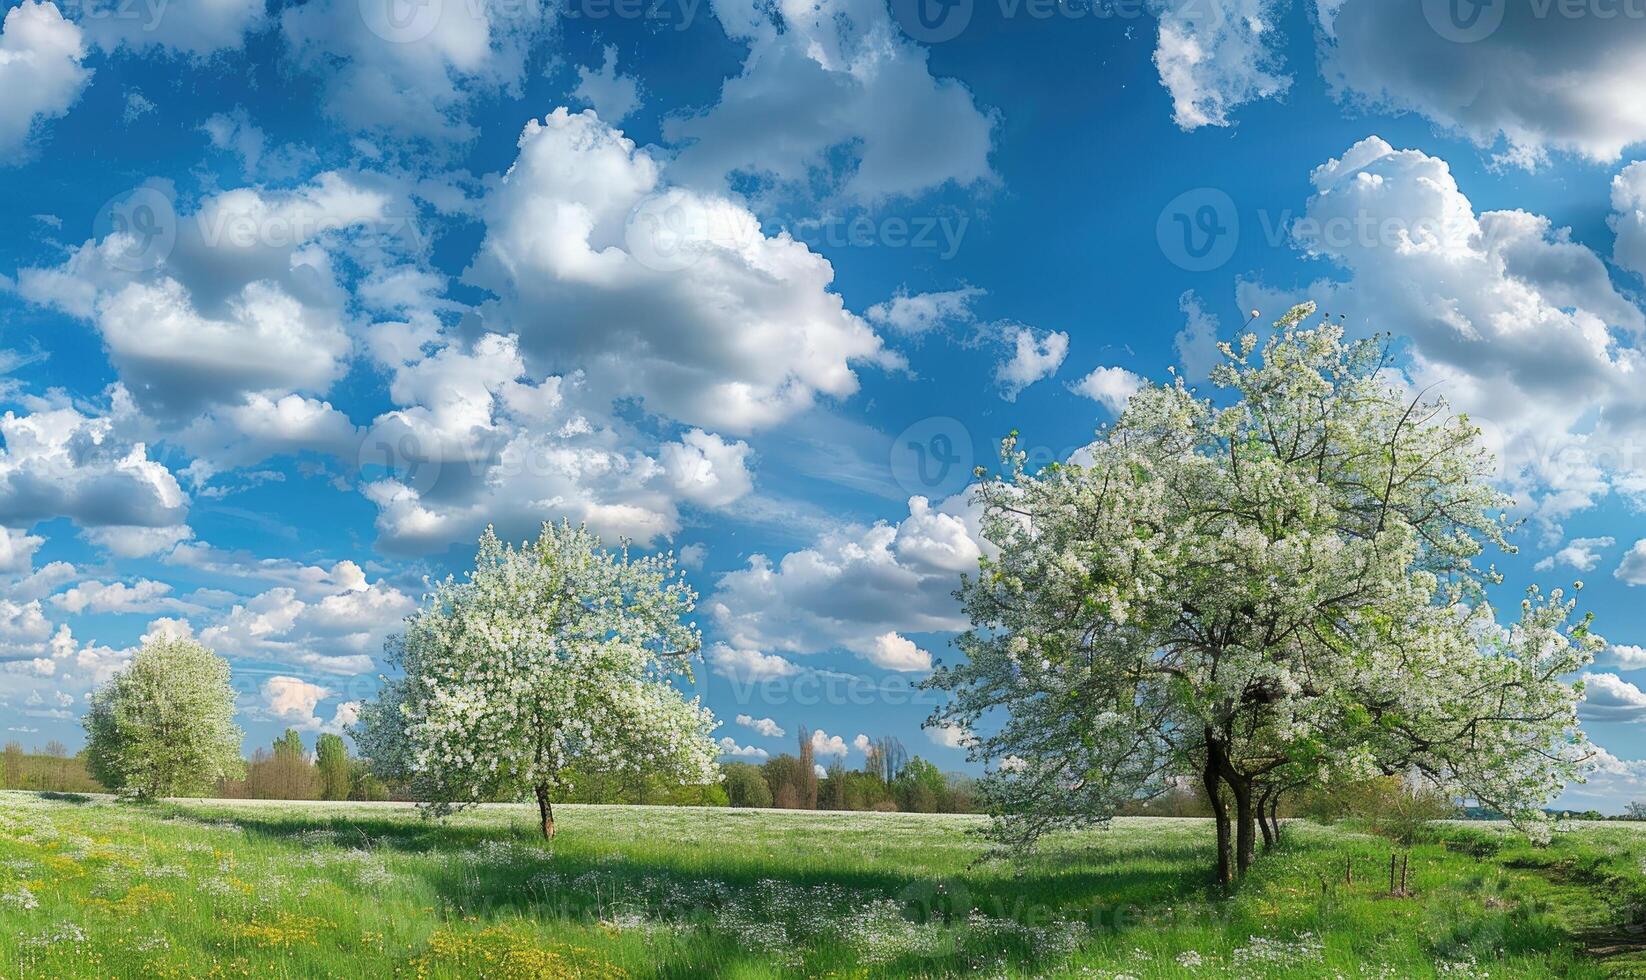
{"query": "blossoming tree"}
(164, 725)
(553, 654)
(1259, 591)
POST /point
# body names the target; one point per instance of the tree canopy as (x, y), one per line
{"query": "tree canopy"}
(164, 725)
(1261, 590)
(555, 654)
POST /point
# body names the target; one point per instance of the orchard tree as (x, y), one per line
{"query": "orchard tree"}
(555, 654)
(164, 725)
(1263, 591)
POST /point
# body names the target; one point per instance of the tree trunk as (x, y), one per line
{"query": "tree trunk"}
(1263, 825)
(1213, 784)
(1274, 814)
(545, 811)
(1245, 824)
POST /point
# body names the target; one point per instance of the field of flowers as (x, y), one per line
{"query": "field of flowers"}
(89, 887)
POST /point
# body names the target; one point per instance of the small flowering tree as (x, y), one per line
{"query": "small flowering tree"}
(555, 654)
(164, 725)
(1263, 594)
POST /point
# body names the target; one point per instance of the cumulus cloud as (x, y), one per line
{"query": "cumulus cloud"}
(666, 295)
(1608, 697)
(1196, 343)
(830, 78)
(1628, 219)
(853, 586)
(415, 76)
(742, 664)
(1035, 356)
(334, 633)
(949, 736)
(1216, 55)
(60, 463)
(141, 596)
(239, 298)
(1111, 387)
(1626, 657)
(761, 726)
(824, 744)
(1633, 567)
(138, 542)
(913, 314)
(894, 652)
(1536, 83)
(292, 701)
(1582, 554)
(612, 95)
(17, 550)
(40, 71)
(706, 469)
(1507, 316)
(729, 747)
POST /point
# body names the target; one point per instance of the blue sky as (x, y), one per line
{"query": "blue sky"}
(295, 297)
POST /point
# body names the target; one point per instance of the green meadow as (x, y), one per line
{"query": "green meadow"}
(91, 887)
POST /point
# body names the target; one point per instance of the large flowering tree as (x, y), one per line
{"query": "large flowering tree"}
(164, 725)
(1259, 591)
(555, 654)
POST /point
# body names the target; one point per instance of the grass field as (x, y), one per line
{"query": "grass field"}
(211, 888)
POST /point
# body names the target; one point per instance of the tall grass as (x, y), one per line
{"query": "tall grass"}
(93, 888)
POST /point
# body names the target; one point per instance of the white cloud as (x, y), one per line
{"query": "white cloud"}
(862, 743)
(40, 71)
(1626, 657)
(1538, 83)
(1582, 554)
(1111, 387)
(292, 701)
(612, 95)
(1628, 218)
(921, 313)
(1216, 55)
(762, 726)
(894, 652)
(1609, 697)
(729, 747)
(142, 596)
(1196, 343)
(1034, 357)
(830, 78)
(194, 27)
(949, 736)
(854, 585)
(1633, 567)
(1611, 783)
(743, 664)
(17, 550)
(706, 469)
(1508, 318)
(413, 71)
(666, 295)
(334, 633)
(237, 299)
(824, 744)
(60, 463)
(138, 542)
